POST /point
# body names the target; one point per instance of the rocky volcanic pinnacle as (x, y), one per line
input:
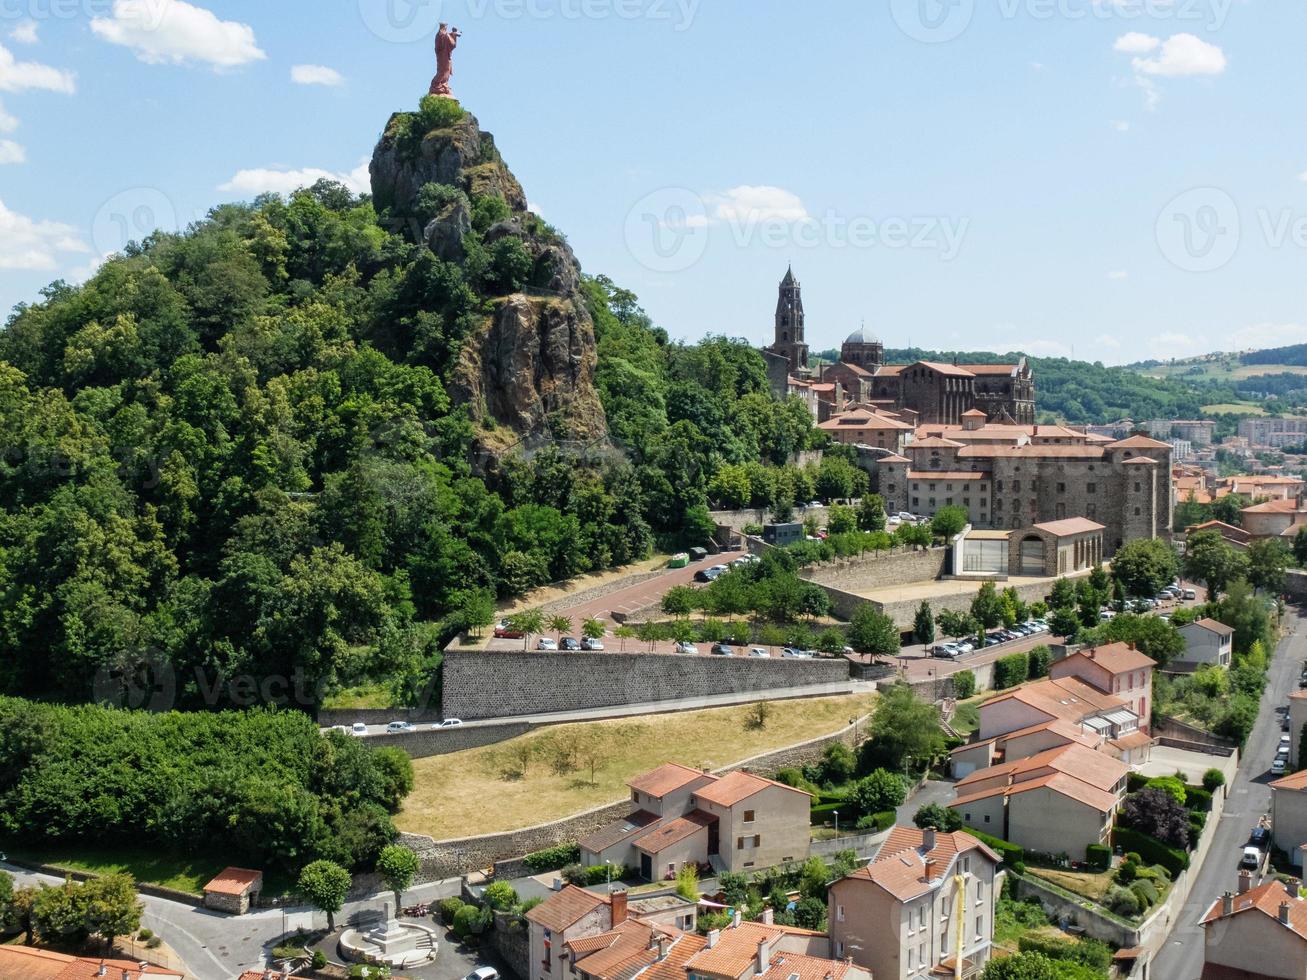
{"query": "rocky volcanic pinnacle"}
(527, 372)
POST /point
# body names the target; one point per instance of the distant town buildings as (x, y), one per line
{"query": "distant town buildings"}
(1273, 433)
(935, 392)
(1199, 432)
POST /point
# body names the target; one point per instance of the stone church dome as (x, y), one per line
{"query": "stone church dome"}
(862, 336)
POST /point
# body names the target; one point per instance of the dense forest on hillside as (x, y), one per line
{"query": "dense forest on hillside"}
(234, 451)
(1079, 391)
(1295, 355)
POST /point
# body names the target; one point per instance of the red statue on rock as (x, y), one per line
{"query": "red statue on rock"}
(446, 42)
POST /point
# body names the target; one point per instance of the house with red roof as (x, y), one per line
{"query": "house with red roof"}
(735, 822)
(29, 963)
(1257, 933)
(906, 915)
(1117, 669)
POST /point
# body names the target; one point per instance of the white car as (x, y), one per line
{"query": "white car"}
(592, 645)
(547, 643)
(1280, 766)
(358, 729)
(450, 723)
(401, 726)
(758, 652)
(684, 646)
(483, 973)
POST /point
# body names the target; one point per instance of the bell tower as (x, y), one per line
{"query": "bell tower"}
(789, 341)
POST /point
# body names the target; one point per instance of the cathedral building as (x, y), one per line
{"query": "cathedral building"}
(938, 394)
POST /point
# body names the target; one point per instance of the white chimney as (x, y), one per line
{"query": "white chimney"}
(736, 919)
(103, 971)
(1245, 881)
(764, 956)
(768, 917)
(1284, 913)
(928, 839)
(1227, 903)
(713, 936)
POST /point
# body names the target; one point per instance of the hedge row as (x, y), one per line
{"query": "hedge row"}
(553, 858)
(1098, 856)
(1011, 670)
(1009, 852)
(1153, 851)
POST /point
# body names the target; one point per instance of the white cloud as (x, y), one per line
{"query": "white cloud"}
(1303, 176)
(35, 245)
(1037, 66)
(25, 33)
(1118, 274)
(534, 209)
(1136, 43)
(275, 181)
(22, 76)
(174, 32)
(748, 203)
(11, 152)
(1120, 125)
(1108, 341)
(316, 75)
(1043, 348)
(1183, 54)
(1257, 336)
(7, 122)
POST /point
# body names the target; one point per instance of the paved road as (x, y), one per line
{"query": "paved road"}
(218, 947)
(1182, 956)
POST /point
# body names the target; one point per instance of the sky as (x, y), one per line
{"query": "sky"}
(1111, 180)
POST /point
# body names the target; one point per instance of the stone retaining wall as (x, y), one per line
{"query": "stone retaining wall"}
(904, 612)
(450, 858)
(880, 569)
(501, 684)
(422, 744)
(739, 519)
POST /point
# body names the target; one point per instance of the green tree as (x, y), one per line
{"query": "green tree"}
(1211, 560)
(112, 907)
(956, 624)
(939, 817)
(924, 624)
(1063, 594)
(529, 622)
(871, 513)
(500, 896)
(398, 866)
(1300, 547)
(874, 633)
(1267, 560)
(987, 607)
(687, 882)
(561, 625)
(679, 600)
(903, 734)
(879, 790)
(841, 519)
(1144, 566)
(948, 522)
(1246, 614)
(325, 884)
(593, 629)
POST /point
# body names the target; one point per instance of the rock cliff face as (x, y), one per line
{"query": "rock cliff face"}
(527, 372)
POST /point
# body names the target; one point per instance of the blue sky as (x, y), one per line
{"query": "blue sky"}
(1118, 178)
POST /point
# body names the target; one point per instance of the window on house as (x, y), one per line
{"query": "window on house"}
(1016, 486)
(987, 818)
(932, 488)
(739, 843)
(1137, 512)
(748, 816)
(1137, 488)
(839, 913)
(966, 501)
(1092, 488)
(635, 797)
(757, 840)
(1061, 488)
(980, 927)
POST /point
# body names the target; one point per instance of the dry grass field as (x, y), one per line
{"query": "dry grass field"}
(486, 790)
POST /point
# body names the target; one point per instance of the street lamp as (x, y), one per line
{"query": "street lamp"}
(609, 866)
(837, 822)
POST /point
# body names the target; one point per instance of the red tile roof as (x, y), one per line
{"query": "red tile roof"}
(565, 908)
(1266, 899)
(900, 866)
(737, 786)
(618, 831)
(1072, 525)
(1289, 506)
(1214, 626)
(1297, 781)
(675, 831)
(667, 778)
(680, 953)
(234, 881)
(1115, 658)
(1139, 442)
(29, 963)
(736, 949)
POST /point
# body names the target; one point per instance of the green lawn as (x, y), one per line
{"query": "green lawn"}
(187, 873)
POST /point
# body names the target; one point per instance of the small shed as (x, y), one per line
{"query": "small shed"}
(233, 890)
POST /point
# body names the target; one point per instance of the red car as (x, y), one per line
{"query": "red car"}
(507, 631)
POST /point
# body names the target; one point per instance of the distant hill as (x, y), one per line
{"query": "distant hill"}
(1084, 392)
(1277, 374)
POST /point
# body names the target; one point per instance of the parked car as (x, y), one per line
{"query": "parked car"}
(1285, 725)
(1260, 838)
(709, 574)
(723, 649)
(684, 646)
(1284, 743)
(593, 645)
(945, 651)
(794, 653)
(546, 643)
(1252, 859)
(483, 973)
(450, 723)
(570, 644)
(505, 630)
(1280, 766)
(358, 729)
(1190, 594)
(401, 726)
(965, 647)
(758, 652)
